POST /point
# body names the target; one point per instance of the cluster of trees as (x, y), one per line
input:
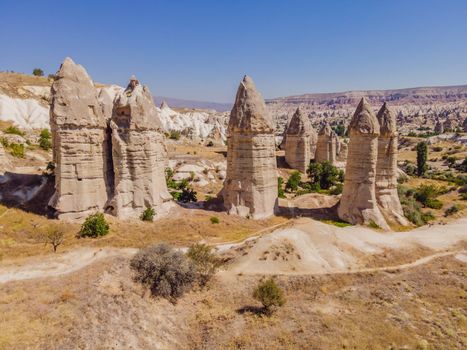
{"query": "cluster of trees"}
(181, 190)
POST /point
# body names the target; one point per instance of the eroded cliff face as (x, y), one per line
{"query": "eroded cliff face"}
(139, 155)
(79, 132)
(358, 204)
(300, 142)
(386, 168)
(250, 188)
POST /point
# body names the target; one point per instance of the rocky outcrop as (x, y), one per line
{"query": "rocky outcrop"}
(250, 188)
(4, 161)
(326, 146)
(358, 203)
(139, 155)
(386, 168)
(79, 133)
(439, 127)
(300, 142)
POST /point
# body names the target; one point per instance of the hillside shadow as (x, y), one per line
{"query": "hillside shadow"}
(326, 213)
(28, 192)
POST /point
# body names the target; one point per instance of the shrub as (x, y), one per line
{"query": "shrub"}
(425, 193)
(422, 155)
(463, 196)
(188, 195)
(54, 237)
(402, 179)
(280, 188)
(166, 272)
(437, 149)
(373, 224)
(293, 181)
(326, 174)
(205, 261)
(210, 144)
(269, 294)
(148, 214)
(38, 72)
(434, 203)
(214, 220)
(14, 131)
(174, 135)
(17, 150)
(95, 225)
(337, 189)
(451, 210)
(45, 140)
(4, 142)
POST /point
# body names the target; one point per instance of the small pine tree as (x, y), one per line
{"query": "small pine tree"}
(270, 295)
(422, 155)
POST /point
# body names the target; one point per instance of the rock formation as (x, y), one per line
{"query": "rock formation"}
(250, 188)
(358, 203)
(300, 142)
(4, 161)
(439, 127)
(139, 155)
(326, 146)
(79, 133)
(386, 168)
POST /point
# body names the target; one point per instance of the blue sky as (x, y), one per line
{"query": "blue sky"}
(201, 49)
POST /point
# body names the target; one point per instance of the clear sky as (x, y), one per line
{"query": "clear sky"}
(201, 49)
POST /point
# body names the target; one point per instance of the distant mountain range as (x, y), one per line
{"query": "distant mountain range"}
(180, 103)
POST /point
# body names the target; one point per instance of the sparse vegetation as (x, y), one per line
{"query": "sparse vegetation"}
(294, 181)
(148, 214)
(205, 261)
(280, 187)
(166, 272)
(214, 220)
(174, 135)
(17, 150)
(45, 141)
(324, 175)
(451, 210)
(422, 156)
(13, 130)
(38, 72)
(54, 237)
(95, 225)
(270, 295)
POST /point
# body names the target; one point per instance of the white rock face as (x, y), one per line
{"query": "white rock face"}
(326, 147)
(24, 113)
(386, 168)
(139, 155)
(250, 187)
(80, 139)
(358, 203)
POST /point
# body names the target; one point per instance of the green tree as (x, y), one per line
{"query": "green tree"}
(45, 140)
(205, 261)
(94, 226)
(293, 181)
(422, 155)
(280, 188)
(38, 72)
(269, 294)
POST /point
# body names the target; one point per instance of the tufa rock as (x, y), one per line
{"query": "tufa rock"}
(326, 147)
(386, 168)
(250, 187)
(358, 203)
(300, 142)
(4, 161)
(80, 139)
(139, 155)
(439, 127)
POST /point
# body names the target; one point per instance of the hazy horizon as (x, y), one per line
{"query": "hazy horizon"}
(200, 51)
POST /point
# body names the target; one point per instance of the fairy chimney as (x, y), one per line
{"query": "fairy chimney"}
(358, 203)
(250, 187)
(326, 146)
(386, 168)
(300, 142)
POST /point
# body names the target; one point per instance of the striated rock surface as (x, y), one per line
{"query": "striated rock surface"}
(79, 133)
(326, 145)
(300, 142)
(139, 155)
(4, 161)
(250, 188)
(358, 203)
(386, 168)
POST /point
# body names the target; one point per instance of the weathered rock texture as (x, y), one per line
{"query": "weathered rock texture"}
(139, 155)
(439, 127)
(300, 142)
(464, 125)
(358, 203)
(386, 168)
(79, 133)
(326, 146)
(250, 188)
(4, 161)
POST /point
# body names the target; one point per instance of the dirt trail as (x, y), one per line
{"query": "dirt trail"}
(307, 247)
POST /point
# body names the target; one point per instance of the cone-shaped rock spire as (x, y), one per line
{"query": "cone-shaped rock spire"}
(326, 147)
(386, 168)
(358, 203)
(300, 142)
(80, 140)
(139, 154)
(250, 187)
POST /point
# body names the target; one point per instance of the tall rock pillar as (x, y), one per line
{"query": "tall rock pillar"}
(326, 146)
(250, 187)
(386, 168)
(80, 152)
(300, 142)
(358, 203)
(139, 154)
